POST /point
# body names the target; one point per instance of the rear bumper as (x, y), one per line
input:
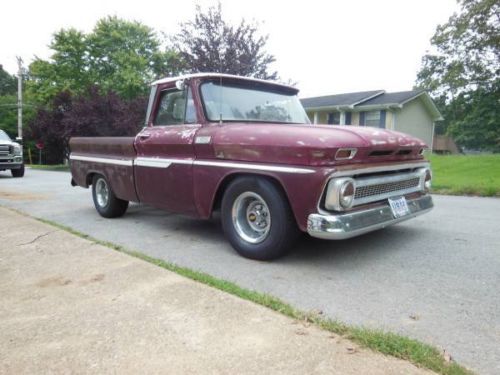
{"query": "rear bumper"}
(338, 227)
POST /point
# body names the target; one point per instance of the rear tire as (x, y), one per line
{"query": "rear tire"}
(257, 219)
(105, 201)
(17, 173)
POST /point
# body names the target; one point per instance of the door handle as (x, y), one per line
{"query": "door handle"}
(144, 136)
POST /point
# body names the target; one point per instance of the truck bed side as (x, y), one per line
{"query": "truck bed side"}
(112, 157)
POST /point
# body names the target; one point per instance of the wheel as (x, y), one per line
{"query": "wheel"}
(105, 200)
(18, 172)
(257, 219)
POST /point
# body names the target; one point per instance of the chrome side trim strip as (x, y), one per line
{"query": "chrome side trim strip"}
(160, 162)
(165, 163)
(270, 168)
(127, 163)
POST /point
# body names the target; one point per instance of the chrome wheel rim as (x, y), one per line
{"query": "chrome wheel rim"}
(102, 192)
(251, 217)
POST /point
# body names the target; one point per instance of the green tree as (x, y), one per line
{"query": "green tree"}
(8, 114)
(209, 44)
(8, 83)
(466, 50)
(463, 74)
(67, 70)
(477, 126)
(118, 55)
(8, 104)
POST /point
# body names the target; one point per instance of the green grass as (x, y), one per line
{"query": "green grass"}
(420, 354)
(466, 174)
(56, 167)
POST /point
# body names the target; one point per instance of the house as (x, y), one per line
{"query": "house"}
(411, 112)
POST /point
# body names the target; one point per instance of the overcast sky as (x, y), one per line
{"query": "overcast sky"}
(327, 46)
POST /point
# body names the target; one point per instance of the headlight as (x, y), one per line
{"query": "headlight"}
(428, 180)
(18, 150)
(340, 194)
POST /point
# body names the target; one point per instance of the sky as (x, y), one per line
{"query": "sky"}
(327, 47)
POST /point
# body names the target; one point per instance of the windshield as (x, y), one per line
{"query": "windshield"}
(4, 136)
(243, 103)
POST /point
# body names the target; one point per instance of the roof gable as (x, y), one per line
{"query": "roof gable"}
(372, 100)
(400, 97)
(348, 99)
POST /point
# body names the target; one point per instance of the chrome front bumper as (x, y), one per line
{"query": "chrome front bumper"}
(338, 227)
(11, 163)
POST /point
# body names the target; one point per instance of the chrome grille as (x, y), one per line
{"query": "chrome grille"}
(384, 188)
(376, 188)
(4, 150)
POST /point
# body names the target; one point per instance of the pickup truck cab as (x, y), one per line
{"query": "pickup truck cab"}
(246, 147)
(11, 155)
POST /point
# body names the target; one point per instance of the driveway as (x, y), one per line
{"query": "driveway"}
(434, 278)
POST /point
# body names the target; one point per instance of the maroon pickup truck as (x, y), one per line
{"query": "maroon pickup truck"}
(246, 147)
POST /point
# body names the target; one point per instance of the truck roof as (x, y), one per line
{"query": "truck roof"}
(222, 76)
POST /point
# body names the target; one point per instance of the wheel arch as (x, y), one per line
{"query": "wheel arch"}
(229, 178)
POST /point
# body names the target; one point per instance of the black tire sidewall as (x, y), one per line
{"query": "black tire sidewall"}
(115, 207)
(17, 173)
(283, 227)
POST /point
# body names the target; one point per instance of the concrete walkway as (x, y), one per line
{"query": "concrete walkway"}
(69, 305)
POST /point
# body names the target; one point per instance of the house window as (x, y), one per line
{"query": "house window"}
(372, 118)
(348, 118)
(334, 118)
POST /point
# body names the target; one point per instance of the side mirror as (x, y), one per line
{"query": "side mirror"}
(19, 140)
(180, 84)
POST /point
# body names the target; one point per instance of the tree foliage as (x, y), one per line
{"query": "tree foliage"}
(8, 83)
(8, 114)
(118, 55)
(467, 50)
(463, 74)
(91, 115)
(477, 126)
(209, 44)
(8, 104)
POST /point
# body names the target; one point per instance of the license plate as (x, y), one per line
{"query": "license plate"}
(399, 207)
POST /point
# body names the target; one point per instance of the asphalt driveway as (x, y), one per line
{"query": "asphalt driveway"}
(435, 278)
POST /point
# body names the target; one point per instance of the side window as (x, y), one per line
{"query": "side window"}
(175, 108)
(190, 109)
(171, 108)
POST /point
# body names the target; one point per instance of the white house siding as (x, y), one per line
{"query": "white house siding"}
(355, 118)
(389, 120)
(322, 116)
(414, 119)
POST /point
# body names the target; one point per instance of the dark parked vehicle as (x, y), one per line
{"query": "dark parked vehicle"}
(246, 147)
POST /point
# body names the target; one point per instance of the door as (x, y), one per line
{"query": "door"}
(165, 153)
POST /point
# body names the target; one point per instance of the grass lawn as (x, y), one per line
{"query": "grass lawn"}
(466, 174)
(56, 167)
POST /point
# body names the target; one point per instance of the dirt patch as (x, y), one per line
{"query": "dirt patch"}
(53, 281)
(14, 196)
(94, 279)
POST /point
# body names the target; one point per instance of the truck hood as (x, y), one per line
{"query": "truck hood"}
(312, 144)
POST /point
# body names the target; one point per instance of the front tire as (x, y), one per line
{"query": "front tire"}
(257, 219)
(105, 201)
(17, 173)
